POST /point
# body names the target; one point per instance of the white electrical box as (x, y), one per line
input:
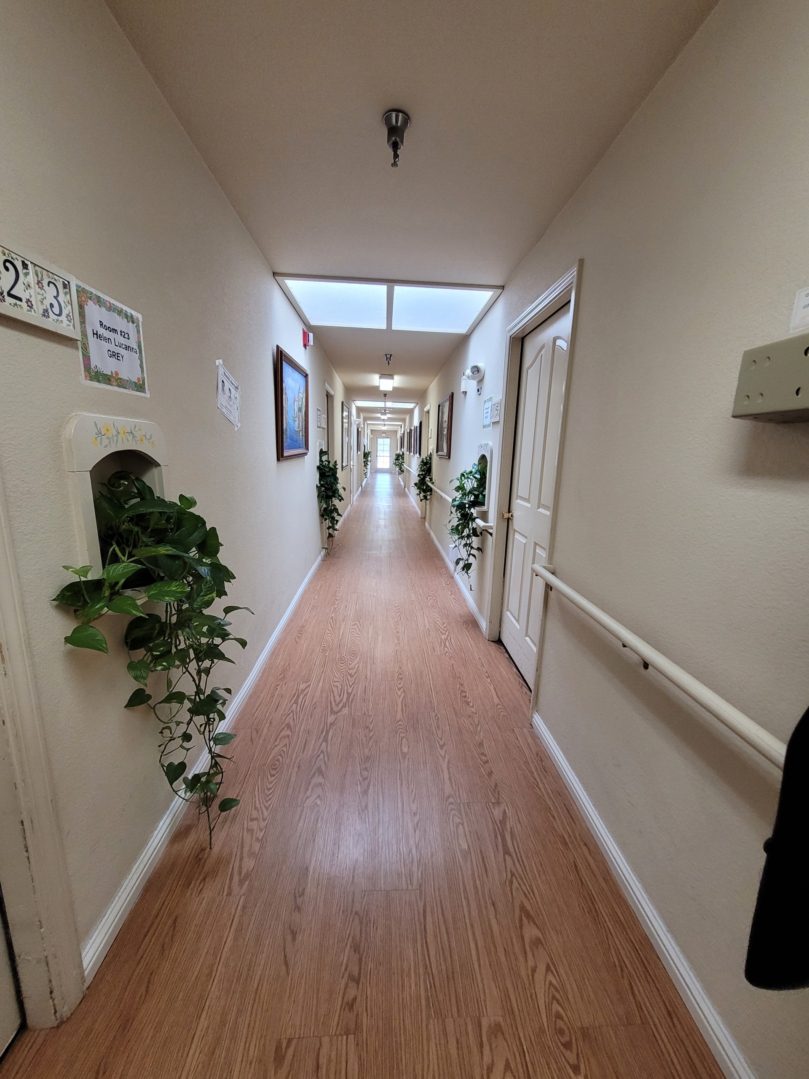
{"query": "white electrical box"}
(774, 382)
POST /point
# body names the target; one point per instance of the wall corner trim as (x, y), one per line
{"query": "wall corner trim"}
(470, 603)
(728, 1055)
(98, 943)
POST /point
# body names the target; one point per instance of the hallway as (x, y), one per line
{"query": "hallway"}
(405, 890)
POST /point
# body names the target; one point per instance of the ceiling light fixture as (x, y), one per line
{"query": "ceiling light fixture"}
(388, 358)
(397, 122)
(386, 383)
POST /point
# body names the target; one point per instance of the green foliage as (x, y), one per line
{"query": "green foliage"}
(161, 553)
(366, 461)
(423, 476)
(470, 492)
(329, 493)
(398, 462)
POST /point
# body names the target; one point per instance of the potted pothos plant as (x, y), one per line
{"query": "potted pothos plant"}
(398, 462)
(329, 494)
(424, 475)
(470, 493)
(366, 462)
(161, 569)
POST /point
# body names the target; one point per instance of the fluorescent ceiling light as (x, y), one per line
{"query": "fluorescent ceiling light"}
(391, 404)
(341, 303)
(385, 383)
(437, 310)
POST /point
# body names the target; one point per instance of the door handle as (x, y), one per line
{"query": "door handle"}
(507, 515)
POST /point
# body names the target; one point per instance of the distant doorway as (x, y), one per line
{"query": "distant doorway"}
(382, 453)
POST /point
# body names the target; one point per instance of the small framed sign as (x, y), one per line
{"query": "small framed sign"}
(228, 394)
(37, 293)
(111, 342)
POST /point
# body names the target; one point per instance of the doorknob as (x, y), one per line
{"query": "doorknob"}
(507, 515)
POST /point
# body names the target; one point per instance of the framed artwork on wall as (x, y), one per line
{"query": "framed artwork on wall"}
(418, 440)
(443, 437)
(359, 439)
(346, 437)
(291, 407)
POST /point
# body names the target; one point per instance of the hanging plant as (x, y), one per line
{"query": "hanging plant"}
(423, 476)
(470, 492)
(158, 552)
(366, 461)
(398, 462)
(329, 493)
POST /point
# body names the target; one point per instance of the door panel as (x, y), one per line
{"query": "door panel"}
(10, 1018)
(540, 413)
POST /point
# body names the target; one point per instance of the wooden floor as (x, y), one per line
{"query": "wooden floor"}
(406, 889)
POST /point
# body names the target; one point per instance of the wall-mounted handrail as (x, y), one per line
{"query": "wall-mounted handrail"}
(485, 526)
(409, 469)
(759, 739)
(438, 491)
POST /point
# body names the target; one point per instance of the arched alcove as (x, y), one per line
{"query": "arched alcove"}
(95, 447)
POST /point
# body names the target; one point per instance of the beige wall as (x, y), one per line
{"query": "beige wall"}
(98, 177)
(688, 526)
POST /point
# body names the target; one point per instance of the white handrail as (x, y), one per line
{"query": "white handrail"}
(438, 491)
(409, 469)
(742, 726)
(485, 526)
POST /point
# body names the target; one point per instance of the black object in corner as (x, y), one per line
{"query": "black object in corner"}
(778, 950)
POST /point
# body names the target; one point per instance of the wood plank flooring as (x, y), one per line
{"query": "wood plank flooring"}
(405, 892)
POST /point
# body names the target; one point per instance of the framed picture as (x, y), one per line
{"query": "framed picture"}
(418, 440)
(346, 437)
(443, 438)
(291, 407)
(359, 439)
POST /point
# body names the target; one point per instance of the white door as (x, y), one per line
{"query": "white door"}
(383, 453)
(537, 437)
(9, 1009)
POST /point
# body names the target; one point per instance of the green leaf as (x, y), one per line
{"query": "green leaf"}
(117, 572)
(211, 545)
(204, 707)
(230, 609)
(187, 502)
(223, 738)
(226, 804)
(166, 591)
(140, 670)
(173, 770)
(154, 550)
(142, 631)
(88, 637)
(149, 505)
(176, 697)
(125, 605)
(92, 611)
(139, 697)
(80, 571)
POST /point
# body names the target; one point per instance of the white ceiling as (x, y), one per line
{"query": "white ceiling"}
(512, 104)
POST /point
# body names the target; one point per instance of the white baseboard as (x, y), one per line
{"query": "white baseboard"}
(470, 603)
(720, 1041)
(98, 943)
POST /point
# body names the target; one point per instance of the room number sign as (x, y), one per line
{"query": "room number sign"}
(37, 293)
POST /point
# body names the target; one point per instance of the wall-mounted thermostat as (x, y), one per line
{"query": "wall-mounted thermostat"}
(774, 381)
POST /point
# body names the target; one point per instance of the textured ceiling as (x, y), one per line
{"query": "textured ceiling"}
(512, 104)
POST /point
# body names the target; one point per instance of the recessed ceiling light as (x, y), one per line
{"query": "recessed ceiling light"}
(341, 303)
(437, 310)
(385, 383)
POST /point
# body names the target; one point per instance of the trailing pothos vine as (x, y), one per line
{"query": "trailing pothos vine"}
(161, 566)
(470, 493)
(366, 462)
(423, 476)
(329, 494)
(398, 462)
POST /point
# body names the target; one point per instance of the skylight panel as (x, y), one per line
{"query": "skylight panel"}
(437, 310)
(391, 404)
(341, 303)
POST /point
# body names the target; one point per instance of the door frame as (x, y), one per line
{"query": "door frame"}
(45, 947)
(562, 292)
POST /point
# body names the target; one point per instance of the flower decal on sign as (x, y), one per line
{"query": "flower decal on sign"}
(110, 436)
